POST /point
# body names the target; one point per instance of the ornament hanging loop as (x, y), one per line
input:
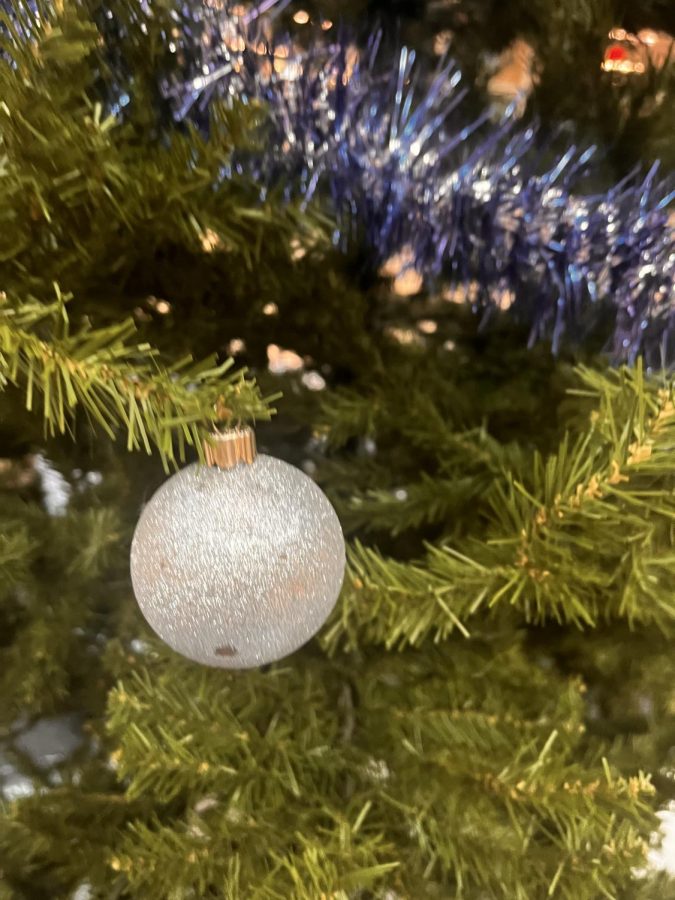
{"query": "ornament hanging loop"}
(226, 449)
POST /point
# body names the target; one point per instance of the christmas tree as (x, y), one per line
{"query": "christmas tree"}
(425, 290)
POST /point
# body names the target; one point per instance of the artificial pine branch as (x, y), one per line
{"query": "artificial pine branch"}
(116, 383)
(15, 550)
(582, 536)
(45, 615)
(432, 752)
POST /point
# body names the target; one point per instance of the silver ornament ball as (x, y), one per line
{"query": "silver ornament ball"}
(238, 567)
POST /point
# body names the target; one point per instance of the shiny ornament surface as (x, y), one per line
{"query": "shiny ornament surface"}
(237, 568)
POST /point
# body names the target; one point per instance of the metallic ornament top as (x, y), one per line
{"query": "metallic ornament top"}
(238, 567)
(229, 448)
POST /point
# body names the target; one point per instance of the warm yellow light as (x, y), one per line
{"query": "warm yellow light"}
(505, 299)
(270, 309)
(403, 335)
(235, 346)
(297, 250)
(394, 265)
(280, 361)
(236, 43)
(442, 42)
(301, 17)
(623, 66)
(326, 24)
(163, 307)
(211, 241)
(427, 326)
(461, 293)
(408, 283)
(313, 381)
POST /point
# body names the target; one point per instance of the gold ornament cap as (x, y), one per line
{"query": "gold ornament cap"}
(226, 449)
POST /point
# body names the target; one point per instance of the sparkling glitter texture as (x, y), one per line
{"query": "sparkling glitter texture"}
(237, 568)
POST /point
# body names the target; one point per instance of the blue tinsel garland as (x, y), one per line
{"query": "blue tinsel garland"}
(377, 146)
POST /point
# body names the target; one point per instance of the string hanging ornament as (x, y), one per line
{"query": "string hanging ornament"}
(239, 562)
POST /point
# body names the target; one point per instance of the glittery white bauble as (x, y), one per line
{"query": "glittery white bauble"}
(238, 567)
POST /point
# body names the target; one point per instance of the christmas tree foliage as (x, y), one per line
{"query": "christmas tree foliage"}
(490, 710)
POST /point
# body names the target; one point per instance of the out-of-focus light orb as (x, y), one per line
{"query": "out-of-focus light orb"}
(236, 346)
(408, 283)
(280, 361)
(313, 381)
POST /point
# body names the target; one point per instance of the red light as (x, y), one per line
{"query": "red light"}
(616, 53)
